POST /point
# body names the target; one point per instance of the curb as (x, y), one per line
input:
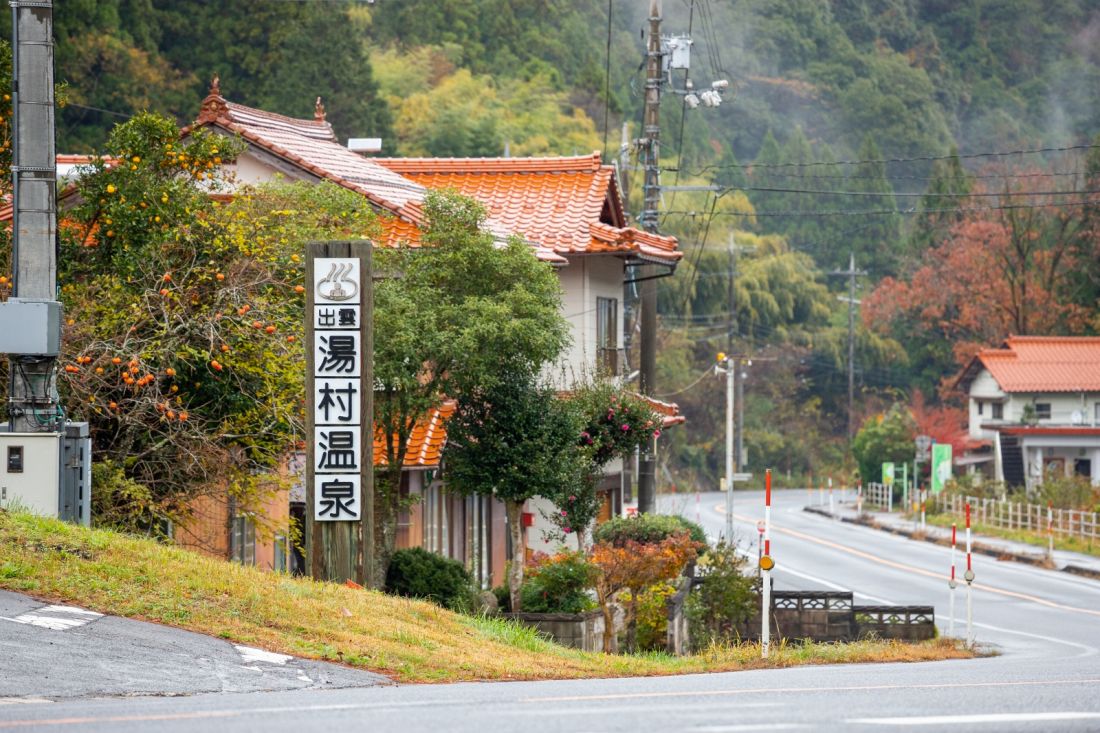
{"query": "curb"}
(978, 547)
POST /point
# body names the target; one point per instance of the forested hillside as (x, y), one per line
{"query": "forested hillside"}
(898, 132)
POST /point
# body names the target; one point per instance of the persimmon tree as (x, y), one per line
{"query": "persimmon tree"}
(634, 567)
(182, 341)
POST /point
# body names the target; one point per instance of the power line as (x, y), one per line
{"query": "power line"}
(607, 81)
(888, 212)
(912, 159)
(883, 194)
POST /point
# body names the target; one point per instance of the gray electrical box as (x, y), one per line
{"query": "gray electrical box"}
(49, 474)
(30, 327)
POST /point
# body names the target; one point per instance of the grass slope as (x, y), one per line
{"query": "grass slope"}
(410, 641)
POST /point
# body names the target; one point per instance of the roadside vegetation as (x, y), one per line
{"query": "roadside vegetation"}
(408, 640)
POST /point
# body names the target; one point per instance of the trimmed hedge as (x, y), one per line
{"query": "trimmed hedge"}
(647, 529)
(417, 573)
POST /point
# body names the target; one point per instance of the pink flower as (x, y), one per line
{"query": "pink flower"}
(625, 427)
(656, 433)
(567, 530)
(564, 513)
(572, 497)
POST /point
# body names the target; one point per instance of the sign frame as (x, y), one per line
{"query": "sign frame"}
(340, 550)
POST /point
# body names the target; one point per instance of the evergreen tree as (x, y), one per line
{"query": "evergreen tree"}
(877, 242)
(946, 190)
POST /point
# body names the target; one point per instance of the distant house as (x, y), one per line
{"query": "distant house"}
(1035, 403)
(568, 209)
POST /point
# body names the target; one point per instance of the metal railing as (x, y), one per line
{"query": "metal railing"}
(1020, 515)
(877, 495)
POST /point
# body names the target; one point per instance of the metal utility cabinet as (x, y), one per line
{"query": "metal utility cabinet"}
(30, 464)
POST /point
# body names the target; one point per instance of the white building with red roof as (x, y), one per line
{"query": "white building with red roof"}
(1036, 402)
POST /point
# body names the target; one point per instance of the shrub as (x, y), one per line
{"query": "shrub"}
(652, 634)
(647, 529)
(725, 599)
(559, 585)
(417, 573)
(1070, 492)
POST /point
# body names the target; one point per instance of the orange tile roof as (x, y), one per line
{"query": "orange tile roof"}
(426, 442)
(1040, 364)
(568, 205)
(669, 411)
(561, 205)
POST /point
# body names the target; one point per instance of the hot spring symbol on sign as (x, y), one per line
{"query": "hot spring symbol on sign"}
(332, 286)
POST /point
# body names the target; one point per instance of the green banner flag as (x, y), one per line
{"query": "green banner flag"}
(888, 474)
(941, 466)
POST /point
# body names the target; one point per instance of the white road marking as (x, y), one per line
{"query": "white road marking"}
(821, 581)
(56, 618)
(818, 689)
(23, 700)
(972, 719)
(251, 654)
(747, 727)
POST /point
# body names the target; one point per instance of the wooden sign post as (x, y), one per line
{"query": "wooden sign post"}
(339, 531)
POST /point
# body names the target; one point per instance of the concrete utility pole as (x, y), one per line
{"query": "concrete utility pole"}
(650, 148)
(851, 273)
(30, 321)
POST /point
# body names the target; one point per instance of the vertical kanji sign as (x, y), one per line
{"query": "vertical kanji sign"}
(339, 485)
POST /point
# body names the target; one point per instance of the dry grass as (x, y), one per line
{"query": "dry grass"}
(410, 641)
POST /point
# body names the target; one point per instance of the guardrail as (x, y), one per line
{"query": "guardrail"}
(1020, 515)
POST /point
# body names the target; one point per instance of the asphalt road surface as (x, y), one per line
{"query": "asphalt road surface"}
(1045, 625)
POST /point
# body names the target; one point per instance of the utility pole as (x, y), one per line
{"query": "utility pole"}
(851, 273)
(650, 148)
(30, 321)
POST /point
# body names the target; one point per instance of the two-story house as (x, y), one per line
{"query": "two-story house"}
(570, 211)
(1035, 402)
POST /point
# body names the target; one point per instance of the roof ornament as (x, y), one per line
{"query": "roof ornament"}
(319, 110)
(214, 105)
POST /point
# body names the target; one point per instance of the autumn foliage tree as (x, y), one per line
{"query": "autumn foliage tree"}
(1000, 271)
(634, 567)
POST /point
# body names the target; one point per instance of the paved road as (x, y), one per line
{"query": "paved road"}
(1047, 677)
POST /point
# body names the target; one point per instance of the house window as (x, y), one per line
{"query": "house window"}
(980, 405)
(607, 335)
(1042, 410)
(1096, 414)
(242, 540)
(998, 411)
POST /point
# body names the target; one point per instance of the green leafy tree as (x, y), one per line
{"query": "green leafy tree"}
(463, 312)
(513, 441)
(882, 439)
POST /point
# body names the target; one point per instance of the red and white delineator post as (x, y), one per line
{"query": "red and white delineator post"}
(968, 576)
(951, 584)
(830, 495)
(859, 498)
(766, 565)
(1050, 532)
